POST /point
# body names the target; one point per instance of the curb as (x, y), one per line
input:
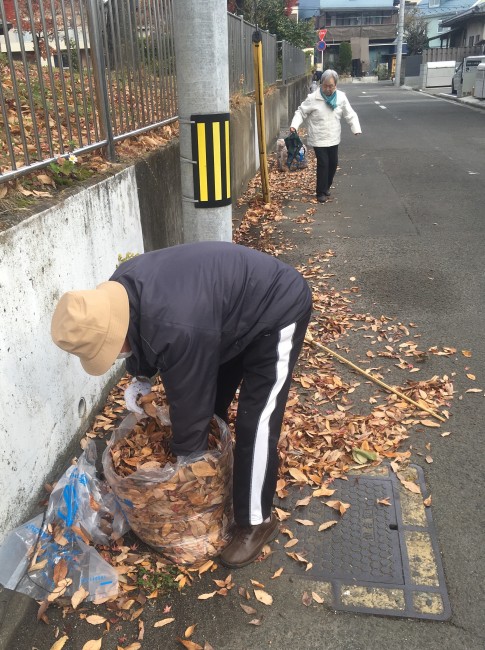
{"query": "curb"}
(14, 607)
(469, 101)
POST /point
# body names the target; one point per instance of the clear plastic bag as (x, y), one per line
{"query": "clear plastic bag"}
(182, 510)
(43, 562)
(49, 557)
(81, 500)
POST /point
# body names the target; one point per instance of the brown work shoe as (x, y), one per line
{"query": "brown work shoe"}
(247, 543)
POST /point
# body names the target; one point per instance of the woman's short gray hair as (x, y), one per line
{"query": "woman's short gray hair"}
(327, 74)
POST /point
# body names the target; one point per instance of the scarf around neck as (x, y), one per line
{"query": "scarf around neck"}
(332, 100)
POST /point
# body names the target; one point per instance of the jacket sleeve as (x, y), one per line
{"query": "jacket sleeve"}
(189, 369)
(302, 112)
(351, 117)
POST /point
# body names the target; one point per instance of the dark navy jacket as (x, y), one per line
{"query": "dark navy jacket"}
(196, 306)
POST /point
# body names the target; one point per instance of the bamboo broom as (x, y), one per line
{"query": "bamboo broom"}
(367, 374)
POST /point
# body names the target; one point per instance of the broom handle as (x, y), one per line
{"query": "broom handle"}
(375, 379)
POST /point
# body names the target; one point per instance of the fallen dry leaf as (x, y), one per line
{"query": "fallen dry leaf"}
(247, 609)
(427, 502)
(290, 543)
(306, 599)
(60, 643)
(94, 619)
(430, 423)
(205, 567)
(466, 353)
(303, 502)
(384, 502)
(282, 514)
(277, 573)
(163, 622)
(326, 525)
(255, 621)
(305, 522)
(206, 596)
(189, 631)
(94, 644)
(298, 475)
(323, 492)
(78, 597)
(317, 598)
(340, 506)
(190, 645)
(263, 597)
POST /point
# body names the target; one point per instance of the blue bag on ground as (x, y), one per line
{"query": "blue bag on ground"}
(49, 557)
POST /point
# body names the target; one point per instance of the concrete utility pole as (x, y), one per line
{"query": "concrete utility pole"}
(399, 41)
(201, 53)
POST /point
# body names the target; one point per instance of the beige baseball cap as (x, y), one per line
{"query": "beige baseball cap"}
(92, 325)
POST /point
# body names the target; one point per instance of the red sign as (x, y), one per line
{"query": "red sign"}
(322, 33)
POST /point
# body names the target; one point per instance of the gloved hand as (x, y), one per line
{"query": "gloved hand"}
(135, 389)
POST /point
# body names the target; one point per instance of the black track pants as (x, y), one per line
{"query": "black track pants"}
(327, 161)
(264, 368)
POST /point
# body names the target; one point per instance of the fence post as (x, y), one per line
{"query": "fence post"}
(99, 70)
(284, 62)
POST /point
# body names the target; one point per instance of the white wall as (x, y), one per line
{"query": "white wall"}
(73, 245)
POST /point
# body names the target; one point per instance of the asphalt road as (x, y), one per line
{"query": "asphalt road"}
(408, 222)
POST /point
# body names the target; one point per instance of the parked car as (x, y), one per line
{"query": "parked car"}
(464, 78)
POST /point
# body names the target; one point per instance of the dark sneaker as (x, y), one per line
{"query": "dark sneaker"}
(322, 198)
(327, 193)
(247, 543)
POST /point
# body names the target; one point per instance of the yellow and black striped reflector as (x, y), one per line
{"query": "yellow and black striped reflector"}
(210, 150)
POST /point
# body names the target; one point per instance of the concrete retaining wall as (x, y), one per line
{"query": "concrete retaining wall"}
(47, 400)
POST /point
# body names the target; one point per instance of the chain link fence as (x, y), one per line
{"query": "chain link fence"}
(78, 75)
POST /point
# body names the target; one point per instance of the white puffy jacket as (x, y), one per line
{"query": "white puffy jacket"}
(323, 122)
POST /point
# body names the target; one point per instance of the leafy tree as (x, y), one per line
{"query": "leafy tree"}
(415, 31)
(274, 16)
(345, 57)
(43, 14)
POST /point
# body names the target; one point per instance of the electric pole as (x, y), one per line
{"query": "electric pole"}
(399, 42)
(201, 53)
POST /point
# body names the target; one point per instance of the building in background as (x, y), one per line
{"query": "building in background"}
(370, 26)
(467, 28)
(436, 12)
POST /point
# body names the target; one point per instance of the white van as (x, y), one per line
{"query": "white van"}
(463, 80)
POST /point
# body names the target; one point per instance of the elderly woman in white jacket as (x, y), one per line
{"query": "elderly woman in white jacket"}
(322, 111)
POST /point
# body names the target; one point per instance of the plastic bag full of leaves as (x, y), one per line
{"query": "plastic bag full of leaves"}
(50, 557)
(180, 507)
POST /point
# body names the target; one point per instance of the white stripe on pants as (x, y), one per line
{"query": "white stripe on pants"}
(260, 453)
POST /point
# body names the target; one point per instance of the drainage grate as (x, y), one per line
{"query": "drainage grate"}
(379, 559)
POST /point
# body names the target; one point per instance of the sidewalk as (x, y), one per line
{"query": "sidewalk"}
(445, 93)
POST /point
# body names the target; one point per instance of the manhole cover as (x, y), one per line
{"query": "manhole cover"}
(377, 558)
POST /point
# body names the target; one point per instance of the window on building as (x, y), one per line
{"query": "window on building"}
(477, 38)
(346, 19)
(470, 41)
(61, 60)
(434, 3)
(374, 20)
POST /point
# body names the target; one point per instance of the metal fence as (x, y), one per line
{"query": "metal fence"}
(241, 67)
(81, 74)
(77, 75)
(293, 61)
